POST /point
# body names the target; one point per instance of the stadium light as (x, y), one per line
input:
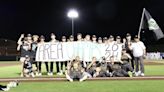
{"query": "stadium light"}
(72, 14)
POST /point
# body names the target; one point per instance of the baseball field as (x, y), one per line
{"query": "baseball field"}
(152, 82)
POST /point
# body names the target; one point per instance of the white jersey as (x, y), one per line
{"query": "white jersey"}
(138, 49)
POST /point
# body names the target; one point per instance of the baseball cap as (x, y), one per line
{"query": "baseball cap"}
(99, 38)
(35, 36)
(63, 37)
(42, 37)
(105, 38)
(93, 36)
(111, 36)
(79, 34)
(136, 36)
(52, 34)
(71, 36)
(29, 35)
(128, 34)
(118, 37)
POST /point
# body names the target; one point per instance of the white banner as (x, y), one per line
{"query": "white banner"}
(64, 51)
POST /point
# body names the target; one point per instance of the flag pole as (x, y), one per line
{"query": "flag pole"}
(140, 27)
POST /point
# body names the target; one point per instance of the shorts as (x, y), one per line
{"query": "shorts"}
(91, 71)
(27, 71)
(76, 75)
(102, 74)
(120, 73)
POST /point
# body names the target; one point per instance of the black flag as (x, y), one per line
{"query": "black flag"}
(151, 24)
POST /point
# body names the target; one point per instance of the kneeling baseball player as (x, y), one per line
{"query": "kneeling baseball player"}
(27, 68)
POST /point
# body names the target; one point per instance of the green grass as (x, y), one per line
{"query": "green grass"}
(154, 69)
(10, 71)
(92, 86)
(14, 71)
(87, 86)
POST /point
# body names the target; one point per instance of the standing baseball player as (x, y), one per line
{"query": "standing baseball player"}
(33, 51)
(24, 49)
(139, 50)
(42, 41)
(53, 40)
(128, 42)
(63, 63)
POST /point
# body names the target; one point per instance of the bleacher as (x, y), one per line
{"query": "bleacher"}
(8, 50)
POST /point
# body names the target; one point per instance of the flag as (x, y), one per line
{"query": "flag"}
(151, 24)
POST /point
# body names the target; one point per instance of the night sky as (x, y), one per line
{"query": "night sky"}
(100, 17)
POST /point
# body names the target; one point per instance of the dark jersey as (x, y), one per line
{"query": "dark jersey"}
(95, 65)
(33, 49)
(2, 87)
(25, 50)
(124, 59)
(28, 65)
(127, 47)
(114, 67)
(103, 66)
(34, 46)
